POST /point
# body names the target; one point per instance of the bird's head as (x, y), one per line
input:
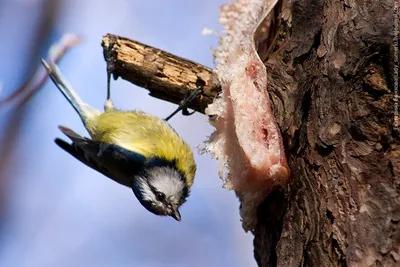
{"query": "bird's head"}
(161, 190)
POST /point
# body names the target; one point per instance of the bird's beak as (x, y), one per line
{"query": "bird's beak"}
(176, 215)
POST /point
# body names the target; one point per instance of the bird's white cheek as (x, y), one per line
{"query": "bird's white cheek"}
(147, 194)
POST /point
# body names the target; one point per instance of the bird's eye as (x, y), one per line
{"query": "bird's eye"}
(160, 196)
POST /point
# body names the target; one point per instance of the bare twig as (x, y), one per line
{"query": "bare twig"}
(166, 76)
(35, 82)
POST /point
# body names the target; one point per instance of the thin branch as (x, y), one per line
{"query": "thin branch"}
(166, 76)
(23, 94)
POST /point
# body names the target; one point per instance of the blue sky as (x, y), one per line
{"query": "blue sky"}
(57, 211)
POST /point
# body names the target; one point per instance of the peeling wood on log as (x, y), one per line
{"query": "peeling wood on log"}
(165, 75)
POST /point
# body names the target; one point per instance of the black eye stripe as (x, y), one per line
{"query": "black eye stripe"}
(160, 196)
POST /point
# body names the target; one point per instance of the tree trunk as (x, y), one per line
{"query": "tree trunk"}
(332, 85)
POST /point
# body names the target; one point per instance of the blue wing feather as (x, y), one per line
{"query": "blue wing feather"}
(115, 162)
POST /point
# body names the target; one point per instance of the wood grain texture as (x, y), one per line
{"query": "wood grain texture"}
(165, 75)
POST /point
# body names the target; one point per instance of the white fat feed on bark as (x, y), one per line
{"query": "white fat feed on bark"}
(247, 140)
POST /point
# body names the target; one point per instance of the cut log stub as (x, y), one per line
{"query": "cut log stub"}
(166, 76)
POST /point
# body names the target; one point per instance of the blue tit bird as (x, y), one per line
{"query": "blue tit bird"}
(132, 148)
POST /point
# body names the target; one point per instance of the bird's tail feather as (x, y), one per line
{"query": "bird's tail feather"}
(85, 111)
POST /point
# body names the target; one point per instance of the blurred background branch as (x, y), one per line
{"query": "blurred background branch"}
(15, 102)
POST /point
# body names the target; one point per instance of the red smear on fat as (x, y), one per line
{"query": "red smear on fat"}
(253, 177)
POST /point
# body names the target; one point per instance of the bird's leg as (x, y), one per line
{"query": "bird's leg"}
(109, 55)
(108, 105)
(183, 105)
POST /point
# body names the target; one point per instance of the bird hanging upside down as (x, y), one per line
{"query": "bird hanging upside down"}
(132, 148)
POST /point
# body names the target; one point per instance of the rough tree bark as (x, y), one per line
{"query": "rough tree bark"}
(343, 206)
(331, 83)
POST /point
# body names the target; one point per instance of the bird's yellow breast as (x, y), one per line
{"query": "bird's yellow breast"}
(147, 135)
